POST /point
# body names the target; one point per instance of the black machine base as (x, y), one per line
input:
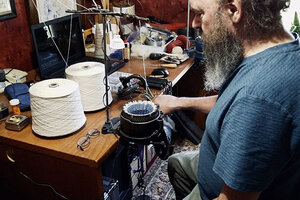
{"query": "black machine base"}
(111, 126)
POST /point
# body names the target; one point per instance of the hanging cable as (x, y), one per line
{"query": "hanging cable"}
(43, 185)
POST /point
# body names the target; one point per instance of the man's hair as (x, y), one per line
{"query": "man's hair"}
(262, 16)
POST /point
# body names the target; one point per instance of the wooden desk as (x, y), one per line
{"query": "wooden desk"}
(73, 173)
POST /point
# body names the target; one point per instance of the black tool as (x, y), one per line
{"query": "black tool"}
(157, 83)
(155, 56)
(160, 72)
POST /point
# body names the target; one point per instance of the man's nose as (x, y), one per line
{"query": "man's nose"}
(196, 22)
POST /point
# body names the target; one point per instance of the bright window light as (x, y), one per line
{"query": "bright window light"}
(288, 16)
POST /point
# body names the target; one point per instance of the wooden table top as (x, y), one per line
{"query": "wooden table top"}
(101, 146)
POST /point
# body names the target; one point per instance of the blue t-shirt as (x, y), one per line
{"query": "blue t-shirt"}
(252, 136)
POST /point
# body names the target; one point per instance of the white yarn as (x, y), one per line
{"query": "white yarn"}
(90, 78)
(127, 10)
(56, 107)
(177, 50)
(98, 40)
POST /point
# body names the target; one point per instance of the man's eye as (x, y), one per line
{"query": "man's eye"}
(199, 14)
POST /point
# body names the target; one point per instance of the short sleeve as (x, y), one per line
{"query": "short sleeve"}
(254, 144)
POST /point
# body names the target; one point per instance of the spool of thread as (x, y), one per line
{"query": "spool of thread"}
(56, 107)
(126, 24)
(177, 50)
(90, 78)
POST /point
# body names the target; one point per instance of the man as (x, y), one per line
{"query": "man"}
(251, 145)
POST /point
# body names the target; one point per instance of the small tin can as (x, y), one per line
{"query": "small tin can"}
(16, 122)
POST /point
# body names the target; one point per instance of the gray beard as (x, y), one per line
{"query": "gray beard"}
(224, 52)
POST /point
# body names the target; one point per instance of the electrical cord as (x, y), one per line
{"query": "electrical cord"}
(104, 95)
(8, 71)
(7, 74)
(43, 185)
(168, 88)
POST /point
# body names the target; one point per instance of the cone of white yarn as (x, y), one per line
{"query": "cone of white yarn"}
(90, 78)
(56, 107)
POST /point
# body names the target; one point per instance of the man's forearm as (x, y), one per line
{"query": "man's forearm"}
(200, 104)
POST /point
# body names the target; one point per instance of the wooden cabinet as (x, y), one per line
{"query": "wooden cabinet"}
(36, 176)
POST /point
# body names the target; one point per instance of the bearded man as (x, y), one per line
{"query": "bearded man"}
(251, 145)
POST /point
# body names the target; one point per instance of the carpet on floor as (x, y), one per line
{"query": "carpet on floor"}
(156, 179)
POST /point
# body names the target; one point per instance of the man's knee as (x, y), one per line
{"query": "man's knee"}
(184, 163)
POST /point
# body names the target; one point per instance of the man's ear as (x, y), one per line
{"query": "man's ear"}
(233, 8)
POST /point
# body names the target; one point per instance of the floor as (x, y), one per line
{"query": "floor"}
(156, 179)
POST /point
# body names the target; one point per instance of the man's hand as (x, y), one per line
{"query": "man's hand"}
(167, 103)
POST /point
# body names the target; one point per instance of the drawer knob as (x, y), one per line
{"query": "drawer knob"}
(10, 155)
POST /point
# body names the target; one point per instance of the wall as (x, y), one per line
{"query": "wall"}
(15, 40)
(171, 11)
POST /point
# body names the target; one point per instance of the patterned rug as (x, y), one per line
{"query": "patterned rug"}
(156, 179)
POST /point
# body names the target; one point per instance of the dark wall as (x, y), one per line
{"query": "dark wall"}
(171, 11)
(15, 40)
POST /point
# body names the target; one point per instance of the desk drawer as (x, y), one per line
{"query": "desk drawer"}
(26, 170)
